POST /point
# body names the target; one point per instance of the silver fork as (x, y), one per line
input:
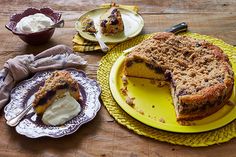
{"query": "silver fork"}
(15, 120)
(103, 46)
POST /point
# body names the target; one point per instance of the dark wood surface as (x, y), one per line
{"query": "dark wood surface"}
(103, 136)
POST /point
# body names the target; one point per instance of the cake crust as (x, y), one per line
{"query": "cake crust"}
(200, 73)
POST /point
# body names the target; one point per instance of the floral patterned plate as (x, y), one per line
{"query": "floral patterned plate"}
(32, 126)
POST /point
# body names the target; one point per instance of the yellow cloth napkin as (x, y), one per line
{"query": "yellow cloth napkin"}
(129, 7)
(82, 45)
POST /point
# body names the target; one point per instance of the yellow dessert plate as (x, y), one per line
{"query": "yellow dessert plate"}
(133, 25)
(153, 104)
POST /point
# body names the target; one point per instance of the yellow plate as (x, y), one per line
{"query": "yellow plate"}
(153, 103)
(133, 25)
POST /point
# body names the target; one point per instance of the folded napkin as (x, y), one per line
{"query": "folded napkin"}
(22, 66)
(129, 7)
(82, 45)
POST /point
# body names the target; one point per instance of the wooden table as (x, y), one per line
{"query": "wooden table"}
(103, 136)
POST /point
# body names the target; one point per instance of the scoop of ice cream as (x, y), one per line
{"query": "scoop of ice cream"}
(34, 23)
(61, 111)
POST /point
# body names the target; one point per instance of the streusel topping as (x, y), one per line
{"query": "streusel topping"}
(190, 63)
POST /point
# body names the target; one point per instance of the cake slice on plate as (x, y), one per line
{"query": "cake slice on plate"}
(111, 22)
(88, 25)
(55, 87)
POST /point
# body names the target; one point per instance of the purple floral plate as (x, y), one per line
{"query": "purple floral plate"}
(32, 126)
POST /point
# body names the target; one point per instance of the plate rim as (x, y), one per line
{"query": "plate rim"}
(113, 77)
(110, 42)
(78, 125)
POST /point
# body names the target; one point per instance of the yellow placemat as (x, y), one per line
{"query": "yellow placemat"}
(129, 7)
(194, 140)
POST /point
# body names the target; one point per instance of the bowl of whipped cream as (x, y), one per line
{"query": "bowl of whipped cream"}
(34, 25)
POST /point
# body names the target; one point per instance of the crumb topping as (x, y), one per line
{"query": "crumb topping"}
(124, 91)
(124, 80)
(162, 120)
(200, 74)
(130, 101)
(185, 59)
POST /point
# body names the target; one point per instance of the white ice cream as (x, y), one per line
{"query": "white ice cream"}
(34, 23)
(61, 111)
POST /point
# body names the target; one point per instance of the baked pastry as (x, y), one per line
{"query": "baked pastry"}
(54, 88)
(111, 22)
(88, 25)
(200, 74)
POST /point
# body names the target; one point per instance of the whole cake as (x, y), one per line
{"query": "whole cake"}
(55, 87)
(111, 22)
(200, 74)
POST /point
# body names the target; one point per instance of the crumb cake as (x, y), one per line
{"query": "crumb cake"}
(111, 22)
(55, 87)
(88, 25)
(200, 74)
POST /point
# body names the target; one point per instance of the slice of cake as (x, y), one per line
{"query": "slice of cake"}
(200, 73)
(55, 87)
(88, 25)
(111, 22)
